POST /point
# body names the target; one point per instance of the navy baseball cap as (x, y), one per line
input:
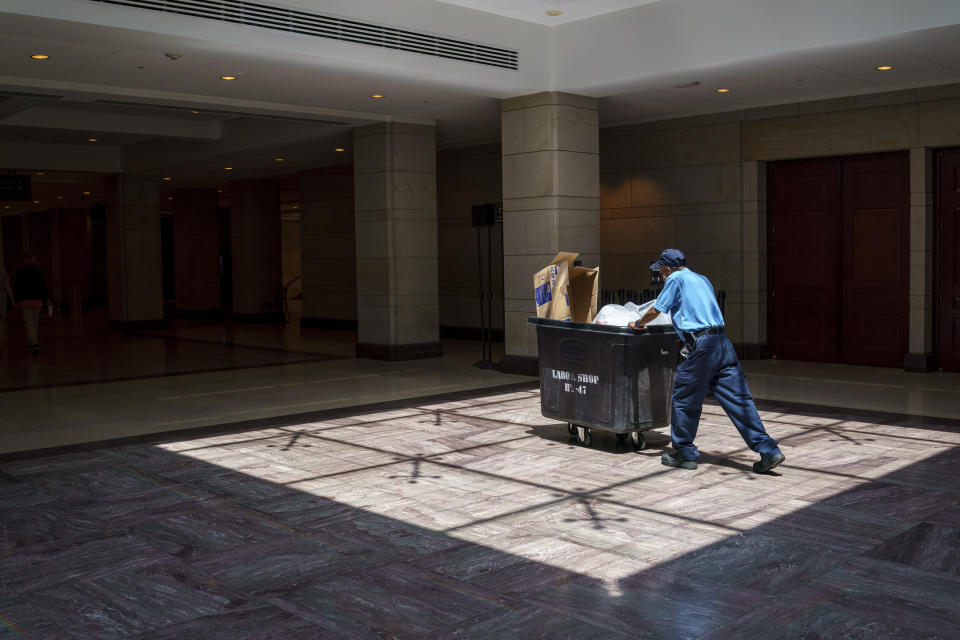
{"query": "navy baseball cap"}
(670, 258)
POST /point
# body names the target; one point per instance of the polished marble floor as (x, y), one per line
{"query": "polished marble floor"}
(472, 516)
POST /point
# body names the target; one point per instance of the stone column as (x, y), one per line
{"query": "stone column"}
(328, 249)
(754, 250)
(134, 268)
(395, 186)
(551, 202)
(196, 245)
(255, 244)
(921, 356)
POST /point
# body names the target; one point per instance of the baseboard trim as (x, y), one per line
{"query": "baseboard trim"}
(752, 351)
(331, 324)
(137, 325)
(392, 352)
(468, 333)
(920, 362)
(272, 317)
(520, 365)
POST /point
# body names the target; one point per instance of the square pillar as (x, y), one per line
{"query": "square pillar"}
(551, 202)
(395, 186)
(196, 246)
(255, 245)
(328, 248)
(134, 271)
(920, 356)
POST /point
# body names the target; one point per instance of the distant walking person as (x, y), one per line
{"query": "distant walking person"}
(30, 291)
(711, 364)
(6, 298)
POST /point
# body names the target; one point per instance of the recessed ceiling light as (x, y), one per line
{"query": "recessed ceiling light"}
(279, 159)
(40, 56)
(339, 149)
(40, 173)
(194, 111)
(167, 179)
(553, 13)
(86, 193)
(723, 90)
(91, 139)
(884, 68)
(377, 96)
(228, 168)
(228, 77)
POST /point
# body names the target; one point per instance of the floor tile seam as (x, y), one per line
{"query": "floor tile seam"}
(847, 413)
(100, 573)
(180, 435)
(151, 376)
(241, 345)
(907, 568)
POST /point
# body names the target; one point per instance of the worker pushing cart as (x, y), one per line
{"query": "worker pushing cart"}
(709, 364)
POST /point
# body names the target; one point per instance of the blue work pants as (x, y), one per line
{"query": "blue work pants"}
(712, 365)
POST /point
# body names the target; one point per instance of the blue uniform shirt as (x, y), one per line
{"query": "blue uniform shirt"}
(689, 299)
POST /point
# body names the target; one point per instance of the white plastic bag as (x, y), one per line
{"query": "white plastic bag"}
(622, 315)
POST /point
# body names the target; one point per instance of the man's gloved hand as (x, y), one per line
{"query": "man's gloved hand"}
(636, 326)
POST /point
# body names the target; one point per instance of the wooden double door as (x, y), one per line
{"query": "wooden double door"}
(948, 259)
(839, 259)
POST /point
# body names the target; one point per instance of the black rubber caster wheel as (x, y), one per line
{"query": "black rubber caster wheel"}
(571, 428)
(637, 441)
(583, 436)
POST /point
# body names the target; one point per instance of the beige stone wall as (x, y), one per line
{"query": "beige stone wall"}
(196, 231)
(255, 243)
(328, 251)
(467, 177)
(134, 273)
(699, 184)
(673, 184)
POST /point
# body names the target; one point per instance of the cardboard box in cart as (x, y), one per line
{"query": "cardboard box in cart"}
(565, 292)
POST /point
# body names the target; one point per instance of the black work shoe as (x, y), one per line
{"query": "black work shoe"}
(767, 463)
(676, 460)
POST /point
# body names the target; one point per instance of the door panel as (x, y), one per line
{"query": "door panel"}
(804, 249)
(876, 268)
(948, 280)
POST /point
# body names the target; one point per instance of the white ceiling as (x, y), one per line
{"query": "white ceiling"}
(631, 60)
(536, 10)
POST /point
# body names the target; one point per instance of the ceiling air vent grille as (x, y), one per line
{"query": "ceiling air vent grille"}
(334, 28)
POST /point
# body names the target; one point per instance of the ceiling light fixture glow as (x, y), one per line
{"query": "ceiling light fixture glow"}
(40, 56)
(228, 168)
(91, 139)
(885, 67)
(553, 13)
(228, 77)
(279, 159)
(86, 193)
(377, 96)
(723, 90)
(338, 149)
(167, 179)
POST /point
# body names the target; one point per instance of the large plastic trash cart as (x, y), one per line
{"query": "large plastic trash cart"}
(604, 377)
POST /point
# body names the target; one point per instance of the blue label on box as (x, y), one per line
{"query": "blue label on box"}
(542, 294)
